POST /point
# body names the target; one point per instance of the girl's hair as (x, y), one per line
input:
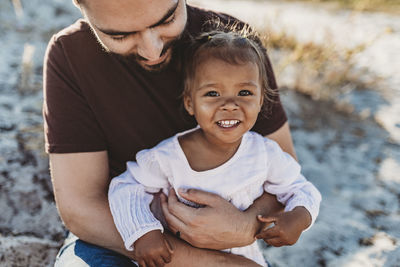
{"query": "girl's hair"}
(233, 47)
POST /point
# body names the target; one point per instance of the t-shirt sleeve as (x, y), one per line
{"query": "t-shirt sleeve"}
(69, 123)
(285, 180)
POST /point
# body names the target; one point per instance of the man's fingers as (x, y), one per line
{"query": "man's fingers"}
(176, 208)
(174, 223)
(172, 195)
(199, 197)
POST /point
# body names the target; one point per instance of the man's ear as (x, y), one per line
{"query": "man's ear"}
(188, 103)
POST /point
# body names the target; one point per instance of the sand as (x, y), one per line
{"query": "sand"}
(351, 155)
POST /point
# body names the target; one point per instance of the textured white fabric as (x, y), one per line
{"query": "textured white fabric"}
(259, 164)
(130, 205)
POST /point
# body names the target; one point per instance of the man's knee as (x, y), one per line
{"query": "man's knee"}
(100, 257)
(77, 253)
(66, 256)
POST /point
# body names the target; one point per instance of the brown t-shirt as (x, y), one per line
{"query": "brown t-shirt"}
(95, 101)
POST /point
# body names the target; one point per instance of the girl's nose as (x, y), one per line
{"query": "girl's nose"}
(151, 45)
(230, 104)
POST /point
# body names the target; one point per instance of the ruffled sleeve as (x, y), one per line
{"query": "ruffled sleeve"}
(147, 171)
(130, 197)
(285, 180)
(130, 207)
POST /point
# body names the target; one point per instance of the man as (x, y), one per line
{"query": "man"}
(112, 87)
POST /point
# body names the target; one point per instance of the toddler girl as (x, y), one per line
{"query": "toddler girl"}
(225, 89)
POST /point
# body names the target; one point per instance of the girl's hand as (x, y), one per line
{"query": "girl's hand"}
(152, 250)
(287, 227)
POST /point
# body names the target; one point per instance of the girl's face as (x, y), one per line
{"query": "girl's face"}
(225, 99)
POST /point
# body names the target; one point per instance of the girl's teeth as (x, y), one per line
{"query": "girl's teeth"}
(228, 123)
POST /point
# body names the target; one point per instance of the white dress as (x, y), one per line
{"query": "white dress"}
(258, 165)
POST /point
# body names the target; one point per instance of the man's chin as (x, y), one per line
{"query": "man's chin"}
(157, 66)
(144, 64)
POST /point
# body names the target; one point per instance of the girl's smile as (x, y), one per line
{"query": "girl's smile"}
(225, 100)
(228, 123)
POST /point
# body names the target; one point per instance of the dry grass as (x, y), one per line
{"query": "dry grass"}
(322, 72)
(391, 6)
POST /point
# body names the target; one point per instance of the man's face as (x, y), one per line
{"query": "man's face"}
(140, 29)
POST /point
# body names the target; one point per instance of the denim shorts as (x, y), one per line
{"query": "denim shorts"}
(78, 253)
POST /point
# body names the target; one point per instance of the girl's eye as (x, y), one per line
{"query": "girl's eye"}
(245, 93)
(212, 94)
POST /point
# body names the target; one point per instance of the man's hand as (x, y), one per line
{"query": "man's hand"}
(287, 228)
(218, 225)
(152, 250)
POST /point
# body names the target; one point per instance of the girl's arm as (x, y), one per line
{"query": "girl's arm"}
(130, 208)
(284, 179)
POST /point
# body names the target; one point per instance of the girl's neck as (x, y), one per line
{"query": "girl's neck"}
(203, 153)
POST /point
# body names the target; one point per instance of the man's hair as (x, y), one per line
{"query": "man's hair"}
(232, 47)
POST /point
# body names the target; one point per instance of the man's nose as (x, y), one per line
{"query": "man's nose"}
(229, 104)
(151, 45)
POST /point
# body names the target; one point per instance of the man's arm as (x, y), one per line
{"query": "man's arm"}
(81, 181)
(220, 225)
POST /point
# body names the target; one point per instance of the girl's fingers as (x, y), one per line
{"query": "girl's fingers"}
(276, 242)
(269, 233)
(151, 263)
(166, 258)
(169, 246)
(166, 253)
(268, 219)
(142, 263)
(159, 262)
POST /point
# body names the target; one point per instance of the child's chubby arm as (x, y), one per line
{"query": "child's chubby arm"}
(300, 197)
(130, 208)
(287, 227)
(152, 249)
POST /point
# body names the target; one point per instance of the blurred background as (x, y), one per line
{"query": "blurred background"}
(337, 63)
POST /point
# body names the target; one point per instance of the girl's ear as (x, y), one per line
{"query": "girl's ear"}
(187, 101)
